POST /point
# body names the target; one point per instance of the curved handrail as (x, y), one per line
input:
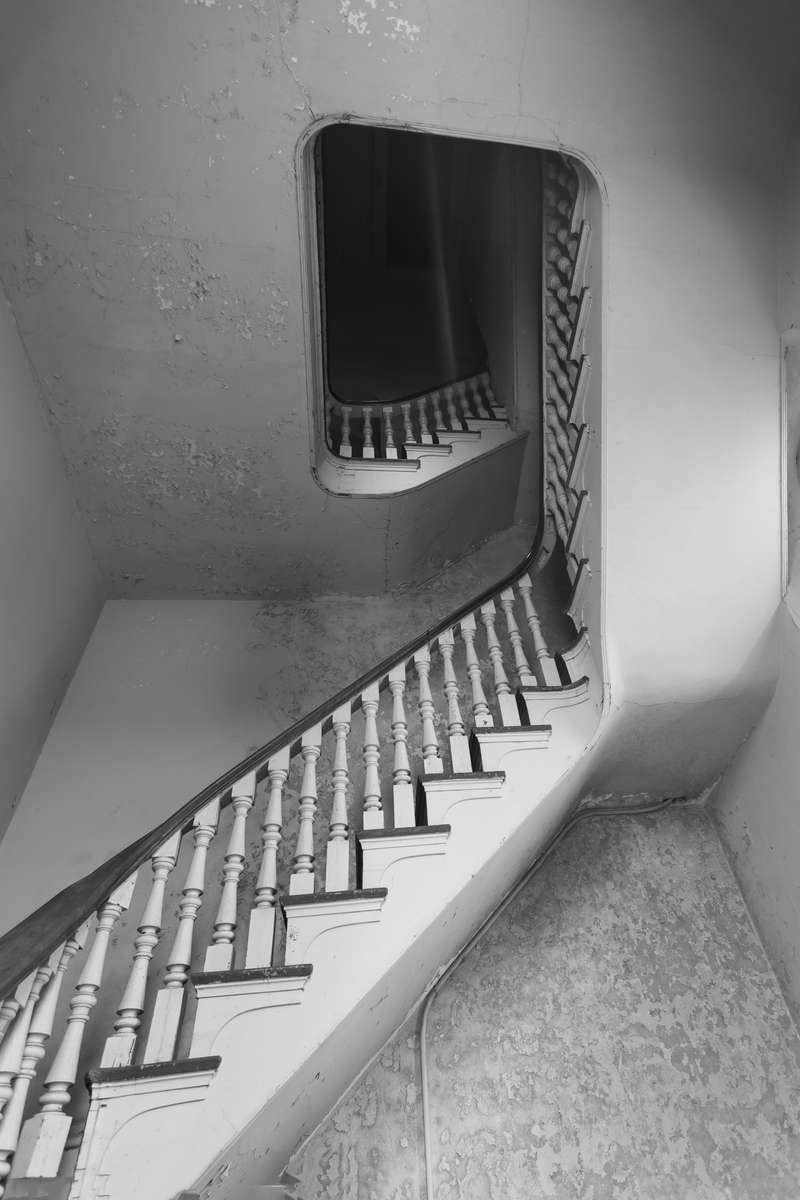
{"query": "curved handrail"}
(31, 941)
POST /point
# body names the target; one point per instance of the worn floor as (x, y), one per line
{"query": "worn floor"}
(617, 1035)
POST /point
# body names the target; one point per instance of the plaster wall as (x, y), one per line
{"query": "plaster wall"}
(150, 245)
(48, 589)
(756, 802)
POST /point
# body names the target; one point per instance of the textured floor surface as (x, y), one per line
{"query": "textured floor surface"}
(617, 1035)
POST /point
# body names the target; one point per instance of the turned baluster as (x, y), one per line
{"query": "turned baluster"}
(567, 499)
(219, 955)
(506, 700)
(368, 448)
(548, 671)
(261, 930)
(390, 438)
(54, 1122)
(456, 730)
(373, 817)
(452, 410)
(480, 709)
(525, 675)
(165, 1023)
(425, 432)
(13, 1003)
(488, 389)
(119, 1047)
(402, 791)
(12, 1050)
(408, 426)
(480, 404)
(331, 413)
(301, 882)
(557, 429)
(555, 455)
(25, 1142)
(337, 859)
(431, 760)
(462, 400)
(345, 444)
(558, 516)
(439, 422)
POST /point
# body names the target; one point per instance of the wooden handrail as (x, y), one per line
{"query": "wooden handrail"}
(32, 940)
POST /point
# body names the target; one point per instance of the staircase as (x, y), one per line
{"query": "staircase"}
(228, 1028)
(220, 983)
(377, 448)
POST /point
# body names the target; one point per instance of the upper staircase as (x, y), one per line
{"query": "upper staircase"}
(401, 445)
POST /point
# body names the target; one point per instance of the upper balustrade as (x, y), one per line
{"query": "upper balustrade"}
(400, 445)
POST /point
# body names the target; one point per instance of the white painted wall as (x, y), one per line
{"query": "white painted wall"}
(686, 142)
(48, 590)
(757, 803)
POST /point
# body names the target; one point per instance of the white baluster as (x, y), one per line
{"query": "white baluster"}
(26, 1142)
(337, 860)
(390, 438)
(452, 411)
(548, 671)
(13, 1048)
(168, 1009)
(525, 675)
(373, 817)
(462, 400)
(408, 426)
(459, 742)
(261, 931)
(54, 1122)
(431, 760)
(301, 882)
(481, 404)
(557, 514)
(439, 422)
(488, 389)
(345, 445)
(119, 1047)
(425, 434)
(219, 955)
(554, 455)
(506, 700)
(402, 791)
(480, 709)
(13, 1003)
(331, 412)
(368, 450)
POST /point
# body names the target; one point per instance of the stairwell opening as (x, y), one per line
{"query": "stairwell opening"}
(426, 290)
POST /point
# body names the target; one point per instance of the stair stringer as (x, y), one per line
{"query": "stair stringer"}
(284, 1068)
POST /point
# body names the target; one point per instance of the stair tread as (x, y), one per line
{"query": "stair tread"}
(410, 830)
(243, 973)
(333, 897)
(185, 1066)
(556, 689)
